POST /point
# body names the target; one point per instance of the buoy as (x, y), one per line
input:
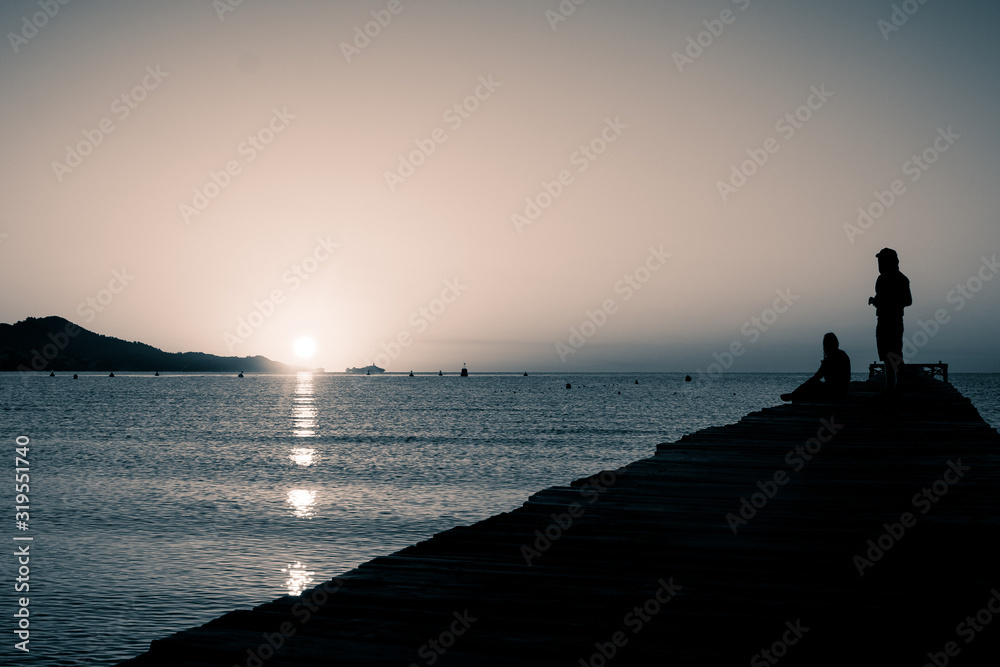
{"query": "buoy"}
(465, 371)
(687, 378)
(525, 373)
(156, 374)
(411, 373)
(52, 374)
(75, 376)
(240, 375)
(637, 382)
(569, 386)
(440, 373)
(111, 375)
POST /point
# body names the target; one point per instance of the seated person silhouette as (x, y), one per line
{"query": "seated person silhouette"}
(830, 382)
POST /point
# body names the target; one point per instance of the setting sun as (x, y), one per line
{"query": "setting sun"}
(304, 347)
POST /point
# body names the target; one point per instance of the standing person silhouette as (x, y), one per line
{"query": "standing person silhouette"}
(892, 294)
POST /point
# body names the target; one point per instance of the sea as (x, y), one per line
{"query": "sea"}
(159, 503)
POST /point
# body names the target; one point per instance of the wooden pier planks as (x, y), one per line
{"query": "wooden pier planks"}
(662, 521)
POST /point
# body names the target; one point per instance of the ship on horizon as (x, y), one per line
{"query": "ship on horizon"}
(367, 370)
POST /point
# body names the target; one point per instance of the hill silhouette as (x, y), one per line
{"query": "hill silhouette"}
(56, 344)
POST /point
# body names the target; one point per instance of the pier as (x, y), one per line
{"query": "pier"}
(866, 532)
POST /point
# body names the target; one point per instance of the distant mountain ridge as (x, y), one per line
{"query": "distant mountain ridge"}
(56, 344)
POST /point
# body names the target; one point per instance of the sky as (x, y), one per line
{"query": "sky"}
(544, 186)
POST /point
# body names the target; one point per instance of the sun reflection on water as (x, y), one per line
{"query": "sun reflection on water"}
(303, 456)
(302, 502)
(298, 577)
(304, 407)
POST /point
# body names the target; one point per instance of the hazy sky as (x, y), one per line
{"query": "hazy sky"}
(180, 164)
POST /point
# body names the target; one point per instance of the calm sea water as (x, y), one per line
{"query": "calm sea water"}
(159, 503)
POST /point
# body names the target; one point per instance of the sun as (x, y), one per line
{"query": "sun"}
(304, 347)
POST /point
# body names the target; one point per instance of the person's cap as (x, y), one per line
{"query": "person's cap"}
(887, 253)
